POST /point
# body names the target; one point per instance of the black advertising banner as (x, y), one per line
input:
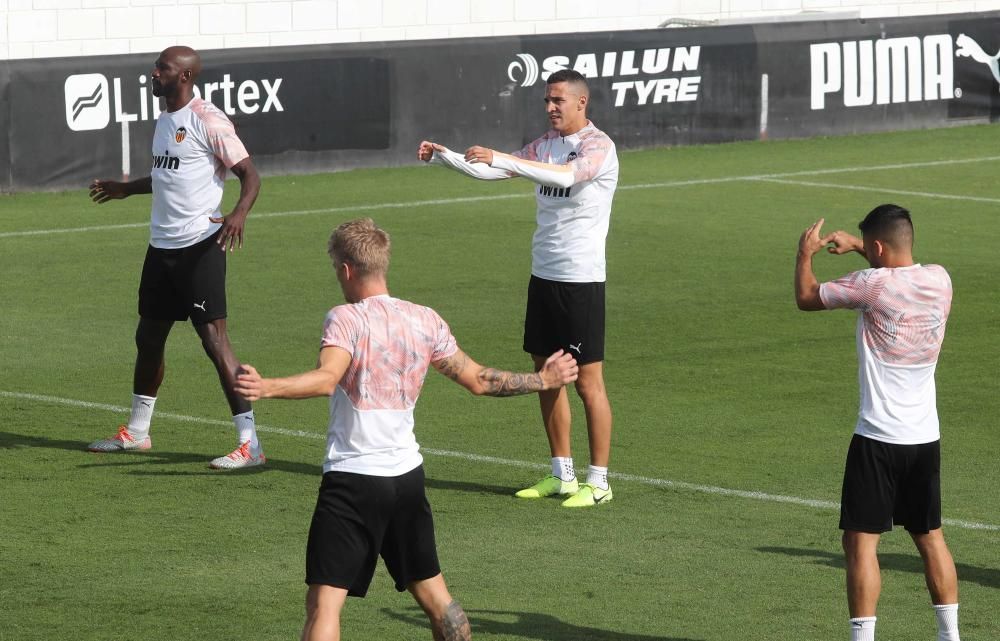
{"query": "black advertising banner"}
(878, 75)
(648, 88)
(330, 107)
(69, 116)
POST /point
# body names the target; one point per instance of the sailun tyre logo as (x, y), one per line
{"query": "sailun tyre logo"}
(88, 104)
(525, 67)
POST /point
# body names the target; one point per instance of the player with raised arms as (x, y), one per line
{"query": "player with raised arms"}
(575, 168)
(893, 470)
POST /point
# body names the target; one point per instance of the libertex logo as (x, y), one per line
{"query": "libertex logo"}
(646, 76)
(91, 100)
(87, 103)
(892, 70)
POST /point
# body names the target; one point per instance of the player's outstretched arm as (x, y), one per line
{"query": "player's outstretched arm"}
(560, 369)
(427, 148)
(806, 286)
(435, 154)
(231, 233)
(322, 381)
(101, 191)
(543, 173)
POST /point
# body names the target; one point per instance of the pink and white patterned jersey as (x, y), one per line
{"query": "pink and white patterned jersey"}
(193, 148)
(573, 221)
(901, 324)
(392, 343)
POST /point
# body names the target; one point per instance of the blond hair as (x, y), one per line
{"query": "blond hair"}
(361, 244)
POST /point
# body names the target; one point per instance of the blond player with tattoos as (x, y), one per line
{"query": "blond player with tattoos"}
(373, 357)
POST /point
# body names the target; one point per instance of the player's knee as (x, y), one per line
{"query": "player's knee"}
(149, 341)
(318, 606)
(851, 544)
(590, 388)
(212, 340)
(312, 604)
(929, 542)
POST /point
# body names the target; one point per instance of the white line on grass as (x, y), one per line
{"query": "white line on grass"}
(884, 190)
(279, 214)
(479, 199)
(479, 458)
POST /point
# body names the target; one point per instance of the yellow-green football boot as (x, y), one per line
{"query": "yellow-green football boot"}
(549, 486)
(588, 496)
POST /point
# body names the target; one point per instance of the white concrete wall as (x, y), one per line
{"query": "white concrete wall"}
(46, 28)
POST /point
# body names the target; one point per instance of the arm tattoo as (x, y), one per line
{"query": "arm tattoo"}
(500, 383)
(455, 625)
(453, 365)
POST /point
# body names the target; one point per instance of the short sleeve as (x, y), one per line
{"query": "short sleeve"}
(858, 290)
(445, 344)
(340, 329)
(221, 136)
(590, 157)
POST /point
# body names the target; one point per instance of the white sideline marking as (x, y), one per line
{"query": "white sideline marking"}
(480, 199)
(884, 190)
(479, 458)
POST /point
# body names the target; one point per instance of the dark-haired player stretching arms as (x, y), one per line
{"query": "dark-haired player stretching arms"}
(576, 170)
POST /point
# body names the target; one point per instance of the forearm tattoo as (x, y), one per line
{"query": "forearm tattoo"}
(500, 383)
(453, 365)
(455, 625)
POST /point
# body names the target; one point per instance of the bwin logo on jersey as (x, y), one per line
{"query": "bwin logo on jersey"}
(88, 105)
(166, 161)
(527, 65)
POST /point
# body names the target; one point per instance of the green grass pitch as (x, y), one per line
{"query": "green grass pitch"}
(717, 383)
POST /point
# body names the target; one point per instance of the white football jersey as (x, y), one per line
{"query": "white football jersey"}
(193, 148)
(392, 343)
(576, 177)
(902, 313)
(573, 221)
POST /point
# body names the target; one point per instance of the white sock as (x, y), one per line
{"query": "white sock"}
(562, 468)
(142, 413)
(863, 629)
(947, 620)
(598, 477)
(246, 430)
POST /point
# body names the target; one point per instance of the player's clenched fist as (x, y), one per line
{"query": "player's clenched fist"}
(426, 150)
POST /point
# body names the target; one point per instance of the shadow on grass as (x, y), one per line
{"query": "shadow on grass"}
(529, 625)
(145, 463)
(987, 577)
(467, 486)
(143, 460)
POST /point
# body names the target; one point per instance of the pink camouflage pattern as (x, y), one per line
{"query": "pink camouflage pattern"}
(221, 135)
(594, 148)
(392, 343)
(904, 310)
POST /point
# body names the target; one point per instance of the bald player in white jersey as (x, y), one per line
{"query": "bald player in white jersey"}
(184, 273)
(576, 170)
